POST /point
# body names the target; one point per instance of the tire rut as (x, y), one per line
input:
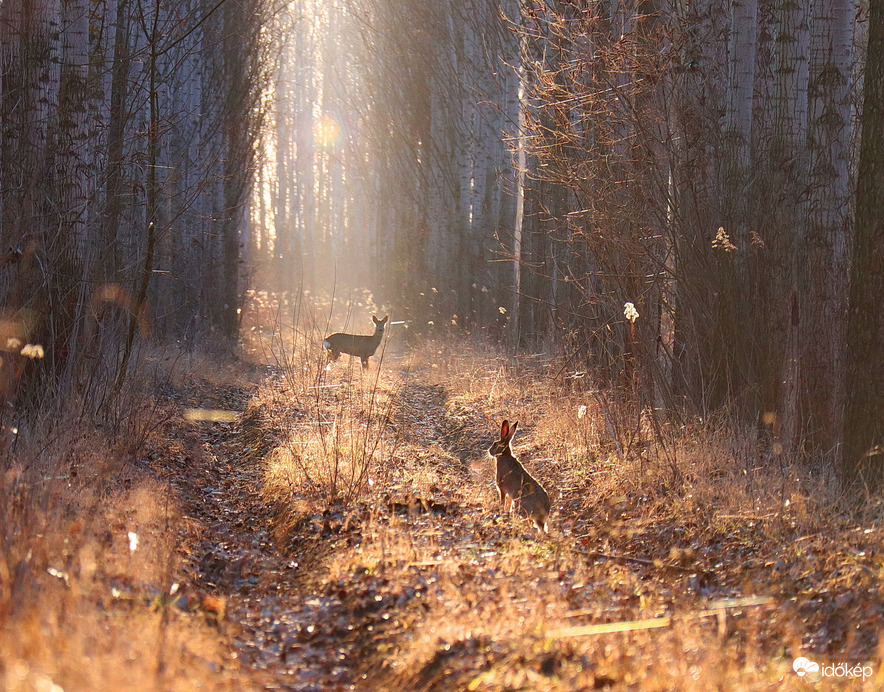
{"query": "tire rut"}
(282, 633)
(446, 433)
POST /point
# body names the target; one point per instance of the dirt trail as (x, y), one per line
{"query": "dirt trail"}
(222, 555)
(446, 594)
(294, 626)
(290, 628)
(280, 632)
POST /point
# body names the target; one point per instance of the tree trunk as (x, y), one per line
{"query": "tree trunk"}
(787, 177)
(864, 411)
(521, 169)
(822, 276)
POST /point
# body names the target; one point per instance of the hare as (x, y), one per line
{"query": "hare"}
(518, 489)
(356, 344)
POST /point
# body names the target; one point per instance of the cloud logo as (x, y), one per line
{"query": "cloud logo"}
(804, 666)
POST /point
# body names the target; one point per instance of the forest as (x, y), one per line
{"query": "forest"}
(651, 232)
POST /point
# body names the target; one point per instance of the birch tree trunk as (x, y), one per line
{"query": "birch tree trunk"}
(738, 332)
(741, 82)
(515, 322)
(73, 162)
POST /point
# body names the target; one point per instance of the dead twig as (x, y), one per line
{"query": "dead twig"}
(716, 609)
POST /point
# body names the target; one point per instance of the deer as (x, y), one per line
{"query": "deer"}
(360, 345)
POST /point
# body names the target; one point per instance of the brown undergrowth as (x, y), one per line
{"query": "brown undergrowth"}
(344, 533)
(93, 541)
(680, 557)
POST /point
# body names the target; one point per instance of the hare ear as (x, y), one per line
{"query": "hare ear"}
(513, 429)
(504, 429)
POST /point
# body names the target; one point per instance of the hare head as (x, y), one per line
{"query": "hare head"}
(502, 446)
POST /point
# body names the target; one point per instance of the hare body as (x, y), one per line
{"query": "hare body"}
(519, 491)
(363, 346)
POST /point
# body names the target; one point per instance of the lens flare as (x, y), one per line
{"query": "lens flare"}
(326, 131)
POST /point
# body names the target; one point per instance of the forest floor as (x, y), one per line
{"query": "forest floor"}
(342, 531)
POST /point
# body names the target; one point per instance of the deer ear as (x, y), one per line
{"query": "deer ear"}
(375, 319)
(385, 319)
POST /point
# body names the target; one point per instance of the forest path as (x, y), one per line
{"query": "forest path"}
(419, 583)
(289, 624)
(281, 635)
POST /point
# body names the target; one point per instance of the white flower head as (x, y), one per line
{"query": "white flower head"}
(630, 312)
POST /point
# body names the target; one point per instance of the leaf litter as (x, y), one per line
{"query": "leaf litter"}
(420, 583)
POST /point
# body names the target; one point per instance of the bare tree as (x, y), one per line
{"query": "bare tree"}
(125, 161)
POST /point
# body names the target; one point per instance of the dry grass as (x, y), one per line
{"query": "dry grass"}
(392, 559)
(649, 521)
(91, 538)
(84, 609)
(329, 422)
